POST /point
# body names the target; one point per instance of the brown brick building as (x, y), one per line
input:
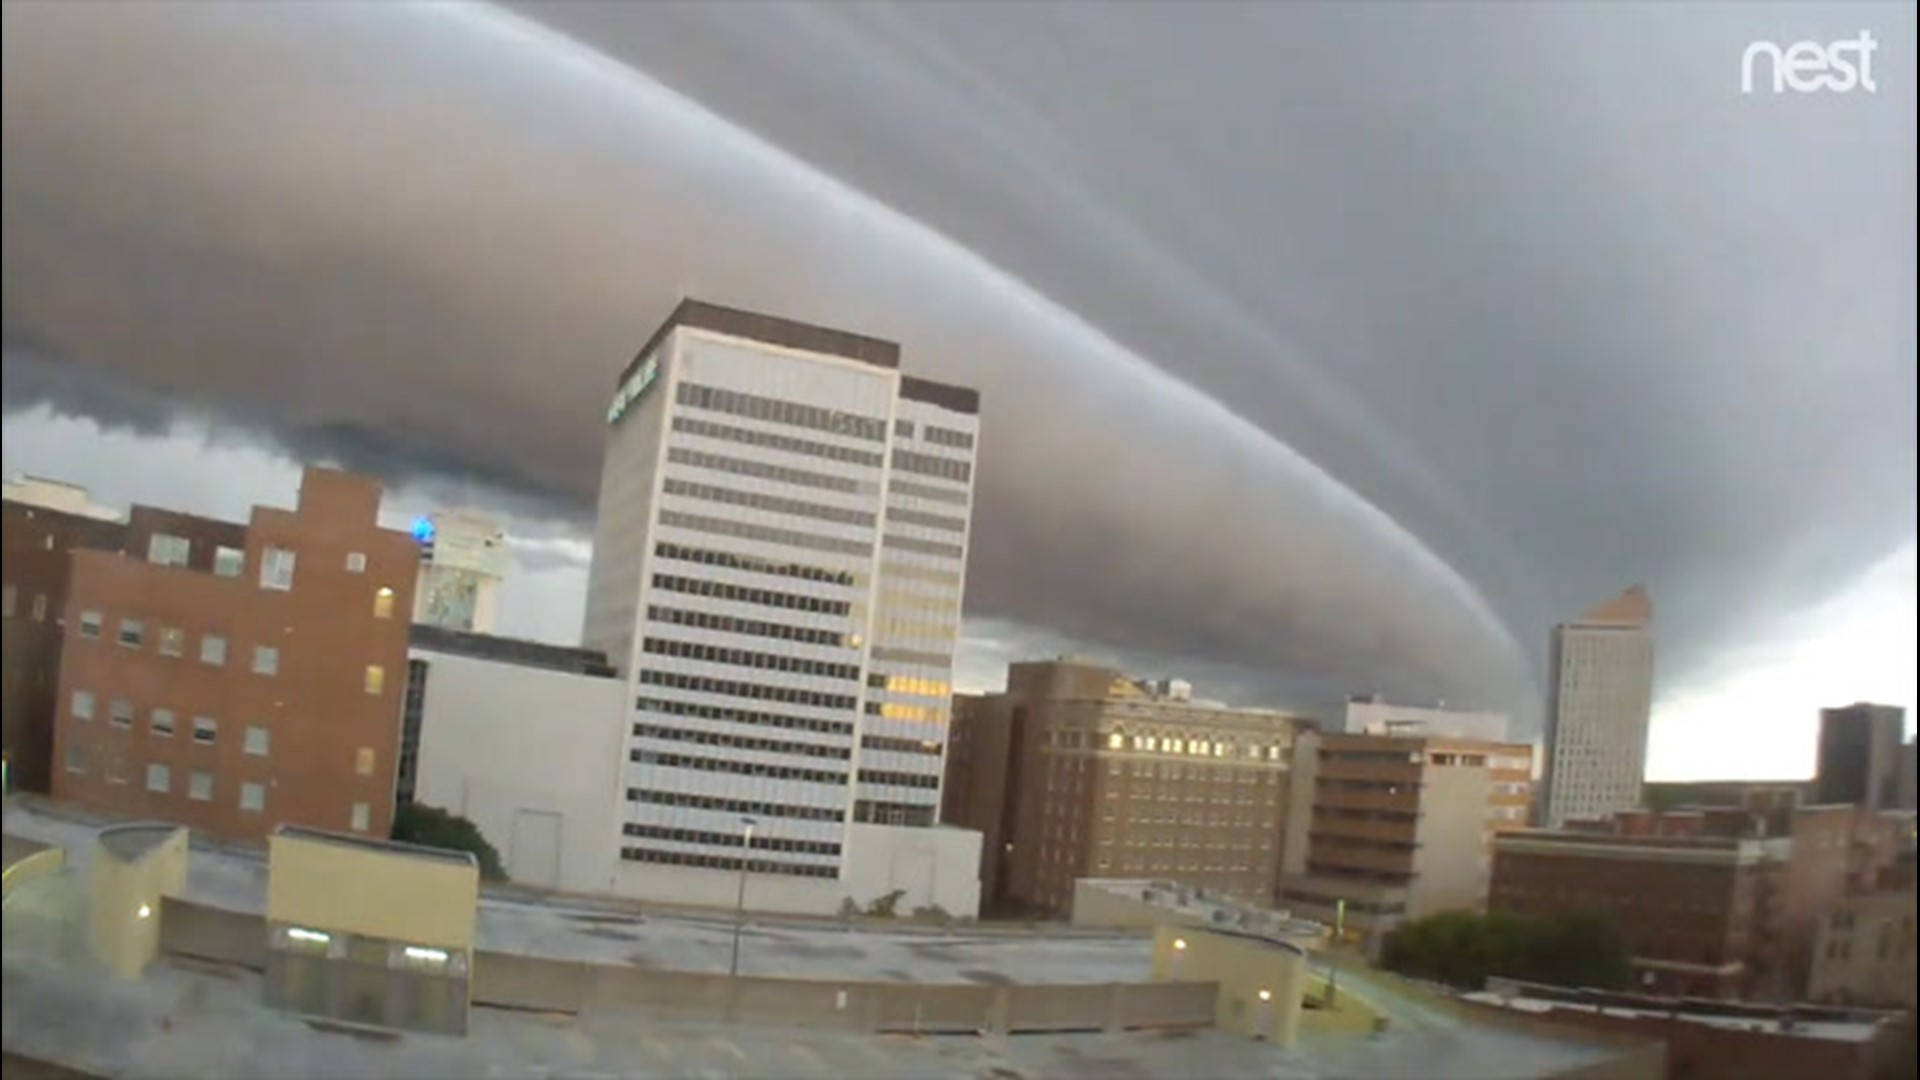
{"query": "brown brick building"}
(1077, 771)
(1402, 827)
(38, 537)
(233, 677)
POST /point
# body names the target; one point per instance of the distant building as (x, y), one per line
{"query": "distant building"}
(1374, 716)
(1863, 951)
(1906, 777)
(1077, 771)
(1760, 796)
(1859, 756)
(232, 677)
(1403, 827)
(1597, 713)
(778, 563)
(463, 559)
(39, 531)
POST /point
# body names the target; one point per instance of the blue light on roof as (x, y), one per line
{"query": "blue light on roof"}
(423, 530)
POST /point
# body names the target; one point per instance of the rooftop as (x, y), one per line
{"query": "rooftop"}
(368, 843)
(1803, 1021)
(506, 650)
(770, 329)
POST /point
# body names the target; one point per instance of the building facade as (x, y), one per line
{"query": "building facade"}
(1598, 709)
(41, 525)
(779, 559)
(1373, 715)
(463, 560)
(233, 677)
(1078, 771)
(1859, 755)
(1403, 827)
(1863, 951)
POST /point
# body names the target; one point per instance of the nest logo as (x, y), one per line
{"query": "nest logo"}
(1808, 67)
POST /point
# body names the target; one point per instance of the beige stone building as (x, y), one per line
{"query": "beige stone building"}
(1863, 951)
(1403, 827)
(1078, 771)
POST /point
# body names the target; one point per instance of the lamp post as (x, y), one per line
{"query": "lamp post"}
(740, 897)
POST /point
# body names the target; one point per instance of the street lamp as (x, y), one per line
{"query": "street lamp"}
(740, 898)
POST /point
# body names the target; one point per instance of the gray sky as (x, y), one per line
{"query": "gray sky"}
(1321, 348)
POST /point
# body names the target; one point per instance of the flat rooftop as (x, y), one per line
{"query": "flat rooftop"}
(505, 650)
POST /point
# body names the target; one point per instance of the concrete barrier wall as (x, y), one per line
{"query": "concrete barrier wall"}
(529, 982)
(211, 933)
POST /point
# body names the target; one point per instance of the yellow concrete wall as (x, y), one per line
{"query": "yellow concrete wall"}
(1243, 967)
(47, 860)
(332, 885)
(126, 893)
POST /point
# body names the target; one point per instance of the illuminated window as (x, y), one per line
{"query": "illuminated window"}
(363, 761)
(383, 603)
(376, 679)
(173, 641)
(1116, 741)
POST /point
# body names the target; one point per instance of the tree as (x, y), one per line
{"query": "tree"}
(430, 826)
(1462, 949)
(883, 907)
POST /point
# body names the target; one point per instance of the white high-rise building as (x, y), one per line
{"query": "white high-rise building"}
(1597, 714)
(778, 564)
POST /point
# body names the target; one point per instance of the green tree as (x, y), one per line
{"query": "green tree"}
(1462, 949)
(430, 826)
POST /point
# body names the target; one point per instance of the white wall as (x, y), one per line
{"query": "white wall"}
(512, 748)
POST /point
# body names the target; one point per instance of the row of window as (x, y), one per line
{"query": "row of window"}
(904, 746)
(899, 779)
(161, 723)
(927, 491)
(1174, 744)
(726, 862)
(754, 807)
(721, 839)
(945, 468)
(700, 459)
(919, 714)
(742, 768)
(742, 742)
(756, 564)
(171, 641)
(931, 521)
(701, 684)
(881, 812)
(924, 547)
(771, 441)
(772, 504)
(766, 534)
(959, 440)
(747, 658)
(890, 627)
(252, 796)
(777, 411)
(744, 716)
(747, 594)
(891, 655)
(890, 571)
(707, 620)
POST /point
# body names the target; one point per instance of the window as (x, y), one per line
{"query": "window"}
(120, 713)
(160, 723)
(159, 778)
(83, 704)
(356, 562)
(132, 632)
(168, 550)
(39, 607)
(200, 786)
(376, 678)
(213, 649)
(76, 759)
(360, 815)
(253, 797)
(266, 660)
(363, 761)
(205, 729)
(383, 603)
(256, 741)
(90, 622)
(173, 641)
(228, 562)
(276, 568)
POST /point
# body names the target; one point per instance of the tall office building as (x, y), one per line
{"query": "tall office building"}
(1597, 713)
(778, 564)
(1859, 760)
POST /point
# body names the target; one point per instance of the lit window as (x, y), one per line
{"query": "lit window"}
(383, 603)
(160, 723)
(1116, 741)
(376, 680)
(228, 562)
(173, 641)
(356, 562)
(276, 568)
(253, 797)
(159, 778)
(256, 741)
(132, 632)
(213, 649)
(360, 814)
(363, 761)
(205, 730)
(266, 660)
(167, 550)
(83, 705)
(120, 712)
(200, 786)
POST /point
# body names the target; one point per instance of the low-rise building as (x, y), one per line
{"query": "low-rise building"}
(1139, 903)
(1863, 951)
(1374, 715)
(1078, 771)
(1402, 827)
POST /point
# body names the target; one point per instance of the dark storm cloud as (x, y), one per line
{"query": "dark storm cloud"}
(1555, 323)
